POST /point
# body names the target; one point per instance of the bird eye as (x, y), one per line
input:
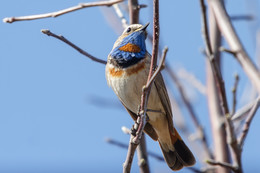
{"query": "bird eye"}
(128, 30)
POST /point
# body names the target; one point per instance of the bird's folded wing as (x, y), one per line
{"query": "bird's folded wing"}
(148, 127)
(163, 94)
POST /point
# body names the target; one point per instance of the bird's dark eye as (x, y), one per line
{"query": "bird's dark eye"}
(128, 30)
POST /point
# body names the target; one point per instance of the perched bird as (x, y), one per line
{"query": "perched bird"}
(126, 72)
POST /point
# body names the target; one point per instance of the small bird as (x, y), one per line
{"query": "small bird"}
(127, 70)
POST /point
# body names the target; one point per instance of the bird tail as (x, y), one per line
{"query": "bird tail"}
(179, 155)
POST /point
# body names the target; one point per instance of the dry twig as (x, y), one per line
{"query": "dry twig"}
(229, 33)
(141, 120)
(120, 15)
(236, 155)
(246, 126)
(49, 33)
(234, 92)
(223, 164)
(61, 12)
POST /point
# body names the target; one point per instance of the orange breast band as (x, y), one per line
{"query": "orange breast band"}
(135, 69)
(115, 72)
(130, 48)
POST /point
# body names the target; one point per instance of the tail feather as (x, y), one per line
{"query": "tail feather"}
(178, 157)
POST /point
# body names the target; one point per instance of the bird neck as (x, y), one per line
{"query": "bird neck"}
(123, 63)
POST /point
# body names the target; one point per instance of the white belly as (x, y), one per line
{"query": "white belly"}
(128, 88)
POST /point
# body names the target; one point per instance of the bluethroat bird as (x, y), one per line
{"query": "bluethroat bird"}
(126, 72)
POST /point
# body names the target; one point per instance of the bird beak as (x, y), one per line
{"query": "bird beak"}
(144, 27)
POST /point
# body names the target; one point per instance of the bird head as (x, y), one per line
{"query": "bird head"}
(130, 46)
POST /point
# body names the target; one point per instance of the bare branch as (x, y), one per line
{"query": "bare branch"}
(142, 156)
(248, 122)
(191, 79)
(215, 77)
(125, 146)
(243, 112)
(234, 92)
(242, 17)
(223, 49)
(117, 143)
(120, 15)
(61, 12)
(159, 68)
(156, 32)
(232, 140)
(133, 11)
(235, 45)
(130, 155)
(141, 120)
(223, 164)
(49, 33)
(210, 55)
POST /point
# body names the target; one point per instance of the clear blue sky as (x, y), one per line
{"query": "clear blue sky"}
(51, 117)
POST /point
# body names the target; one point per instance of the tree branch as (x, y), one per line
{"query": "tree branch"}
(235, 45)
(234, 92)
(125, 146)
(249, 119)
(216, 88)
(243, 112)
(223, 164)
(49, 33)
(120, 15)
(141, 120)
(133, 11)
(142, 156)
(61, 12)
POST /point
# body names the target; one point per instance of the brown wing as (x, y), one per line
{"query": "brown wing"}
(162, 92)
(148, 129)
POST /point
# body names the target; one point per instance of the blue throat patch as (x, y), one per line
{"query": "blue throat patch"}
(131, 50)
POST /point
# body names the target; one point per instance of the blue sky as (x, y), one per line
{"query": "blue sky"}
(51, 117)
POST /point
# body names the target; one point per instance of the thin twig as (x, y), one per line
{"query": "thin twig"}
(235, 152)
(249, 119)
(191, 79)
(223, 164)
(210, 55)
(159, 68)
(141, 120)
(120, 15)
(61, 12)
(229, 33)
(142, 156)
(242, 17)
(223, 49)
(232, 140)
(133, 11)
(143, 164)
(125, 146)
(243, 112)
(234, 92)
(150, 153)
(156, 32)
(49, 33)
(216, 115)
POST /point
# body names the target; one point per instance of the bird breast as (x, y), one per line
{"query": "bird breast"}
(127, 83)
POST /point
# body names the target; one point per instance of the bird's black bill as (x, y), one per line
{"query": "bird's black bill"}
(145, 26)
